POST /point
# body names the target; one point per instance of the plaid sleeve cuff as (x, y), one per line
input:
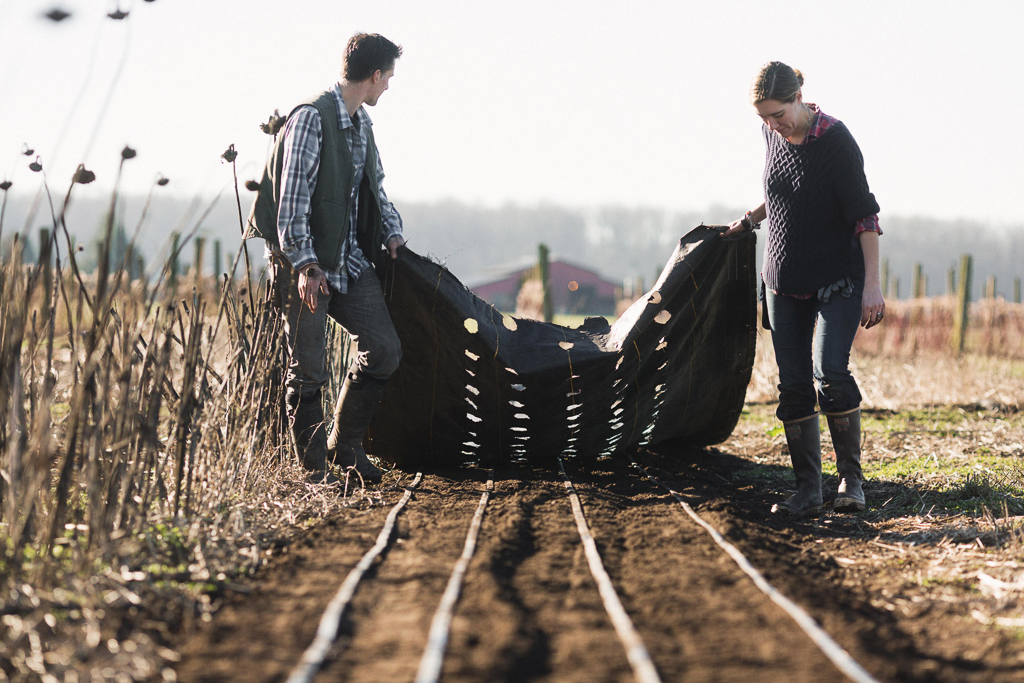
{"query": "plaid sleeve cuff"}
(393, 230)
(389, 214)
(868, 224)
(300, 253)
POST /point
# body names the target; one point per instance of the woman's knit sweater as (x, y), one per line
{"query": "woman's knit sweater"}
(814, 194)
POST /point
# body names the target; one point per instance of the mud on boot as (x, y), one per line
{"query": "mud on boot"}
(849, 497)
(804, 440)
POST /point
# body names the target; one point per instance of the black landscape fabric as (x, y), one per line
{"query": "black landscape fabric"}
(478, 387)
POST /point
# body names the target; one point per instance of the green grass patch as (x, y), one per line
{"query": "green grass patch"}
(976, 478)
(968, 488)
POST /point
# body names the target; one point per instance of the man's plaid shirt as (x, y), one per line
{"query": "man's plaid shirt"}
(303, 138)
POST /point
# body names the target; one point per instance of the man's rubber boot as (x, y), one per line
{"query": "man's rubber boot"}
(360, 396)
(309, 433)
(845, 430)
(804, 440)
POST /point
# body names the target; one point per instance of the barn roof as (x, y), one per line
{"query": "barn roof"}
(509, 269)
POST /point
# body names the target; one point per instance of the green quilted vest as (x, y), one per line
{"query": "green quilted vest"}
(331, 201)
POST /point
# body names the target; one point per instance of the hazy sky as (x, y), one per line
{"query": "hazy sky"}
(575, 103)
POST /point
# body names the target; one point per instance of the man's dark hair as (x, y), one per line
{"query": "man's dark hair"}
(366, 53)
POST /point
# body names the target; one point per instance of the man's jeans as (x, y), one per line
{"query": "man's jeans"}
(362, 312)
(795, 324)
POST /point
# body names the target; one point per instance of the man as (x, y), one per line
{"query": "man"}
(326, 219)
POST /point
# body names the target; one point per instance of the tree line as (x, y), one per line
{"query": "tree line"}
(618, 242)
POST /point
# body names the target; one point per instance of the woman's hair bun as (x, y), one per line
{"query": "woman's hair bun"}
(776, 81)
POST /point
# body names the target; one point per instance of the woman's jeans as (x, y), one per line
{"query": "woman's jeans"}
(812, 343)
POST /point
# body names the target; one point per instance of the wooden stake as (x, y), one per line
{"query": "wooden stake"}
(962, 300)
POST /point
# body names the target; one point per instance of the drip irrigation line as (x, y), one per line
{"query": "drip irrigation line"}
(440, 625)
(831, 649)
(636, 651)
(327, 632)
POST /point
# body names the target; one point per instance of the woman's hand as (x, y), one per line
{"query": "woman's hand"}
(872, 307)
(752, 218)
(736, 226)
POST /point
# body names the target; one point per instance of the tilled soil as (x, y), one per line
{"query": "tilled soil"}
(530, 609)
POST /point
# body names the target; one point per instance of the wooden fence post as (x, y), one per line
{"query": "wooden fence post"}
(129, 262)
(990, 287)
(963, 298)
(543, 268)
(1016, 290)
(46, 259)
(885, 277)
(200, 256)
(172, 279)
(916, 288)
(951, 282)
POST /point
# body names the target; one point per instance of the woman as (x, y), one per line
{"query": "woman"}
(819, 279)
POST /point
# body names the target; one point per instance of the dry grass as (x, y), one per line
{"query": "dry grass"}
(896, 382)
(145, 466)
(924, 326)
(943, 453)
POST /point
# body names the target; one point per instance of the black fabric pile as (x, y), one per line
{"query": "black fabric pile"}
(476, 387)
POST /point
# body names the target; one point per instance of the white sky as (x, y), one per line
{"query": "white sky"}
(577, 103)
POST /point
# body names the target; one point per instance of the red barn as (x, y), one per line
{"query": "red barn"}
(574, 290)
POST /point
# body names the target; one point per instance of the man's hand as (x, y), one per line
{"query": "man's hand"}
(312, 281)
(394, 243)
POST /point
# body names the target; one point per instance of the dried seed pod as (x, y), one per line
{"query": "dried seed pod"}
(118, 15)
(127, 153)
(36, 166)
(83, 176)
(161, 181)
(26, 150)
(5, 185)
(274, 123)
(230, 154)
(252, 186)
(57, 15)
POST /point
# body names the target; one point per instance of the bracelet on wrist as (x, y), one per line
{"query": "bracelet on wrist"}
(748, 219)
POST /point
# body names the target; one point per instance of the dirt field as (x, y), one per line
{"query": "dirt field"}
(912, 595)
(926, 585)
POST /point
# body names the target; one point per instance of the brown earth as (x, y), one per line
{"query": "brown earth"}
(530, 609)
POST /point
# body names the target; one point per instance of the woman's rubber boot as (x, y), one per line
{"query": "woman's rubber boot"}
(845, 430)
(360, 396)
(804, 440)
